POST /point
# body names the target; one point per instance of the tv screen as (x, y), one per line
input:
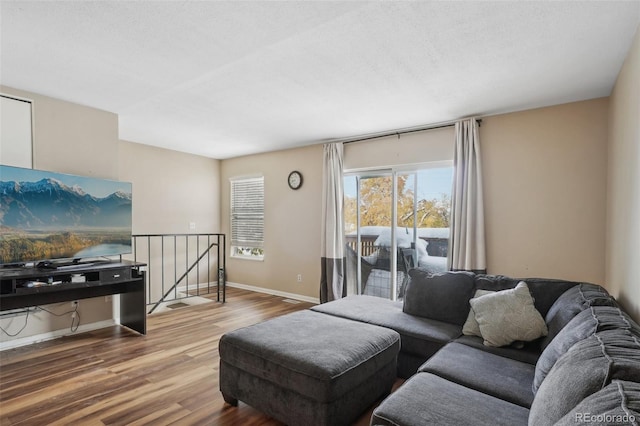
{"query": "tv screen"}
(50, 216)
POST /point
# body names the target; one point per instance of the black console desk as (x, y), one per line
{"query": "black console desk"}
(32, 286)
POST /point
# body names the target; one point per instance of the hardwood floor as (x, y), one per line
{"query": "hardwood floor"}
(114, 376)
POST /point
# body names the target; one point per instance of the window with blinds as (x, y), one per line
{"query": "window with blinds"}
(247, 217)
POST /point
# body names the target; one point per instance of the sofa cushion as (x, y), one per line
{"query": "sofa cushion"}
(471, 327)
(492, 374)
(529, 353)
(617, 403)
(544, 291)
(588, 322)
(419, 336)
(572, 302)
(426, 399)
(586, 368)
(508, 315)
(443, 297)
(361, 308)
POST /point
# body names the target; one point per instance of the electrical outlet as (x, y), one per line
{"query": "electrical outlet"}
(299, 278)
(75, 304)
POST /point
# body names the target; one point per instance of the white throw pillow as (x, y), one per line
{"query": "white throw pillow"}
(471, 327)
(508, 315)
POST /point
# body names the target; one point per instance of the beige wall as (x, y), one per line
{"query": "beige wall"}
(68, 138)
(545, 200)
(292, 218)
(292, 221)
(72, 138)
(171, 189)
(544, 182)
(623, 201)
(544, 185)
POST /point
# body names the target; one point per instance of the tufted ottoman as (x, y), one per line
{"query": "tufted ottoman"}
(308, 368)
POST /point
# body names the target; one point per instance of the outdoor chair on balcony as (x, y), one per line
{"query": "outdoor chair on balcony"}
(405, 260)
(352, 269)
(374, 265)
(408, 256)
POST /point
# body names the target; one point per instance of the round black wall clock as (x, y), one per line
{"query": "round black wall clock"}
(295, 179)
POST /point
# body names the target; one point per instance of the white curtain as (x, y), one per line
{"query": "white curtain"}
(332, 281)
(467, 242)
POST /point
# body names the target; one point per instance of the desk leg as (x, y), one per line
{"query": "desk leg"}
(133, 310)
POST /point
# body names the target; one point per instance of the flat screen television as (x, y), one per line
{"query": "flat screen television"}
(48, 216)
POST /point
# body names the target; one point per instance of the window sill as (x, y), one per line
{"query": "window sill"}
(252, 258)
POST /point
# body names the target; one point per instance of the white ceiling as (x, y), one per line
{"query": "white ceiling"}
(227, 78)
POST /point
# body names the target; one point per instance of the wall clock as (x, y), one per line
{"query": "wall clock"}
(295, 179)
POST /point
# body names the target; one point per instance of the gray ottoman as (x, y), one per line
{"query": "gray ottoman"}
(308, 368)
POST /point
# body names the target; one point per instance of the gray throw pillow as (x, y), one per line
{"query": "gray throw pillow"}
(587, 367)
(471, 327)
(507, 316)
(590, 321)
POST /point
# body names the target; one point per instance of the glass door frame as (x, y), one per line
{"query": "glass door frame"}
(413, 169)
(393, 251)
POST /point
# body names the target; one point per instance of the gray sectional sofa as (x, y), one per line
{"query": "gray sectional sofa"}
(580, 363)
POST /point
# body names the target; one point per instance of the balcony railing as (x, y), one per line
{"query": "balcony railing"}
(180, 266)
(436, 246)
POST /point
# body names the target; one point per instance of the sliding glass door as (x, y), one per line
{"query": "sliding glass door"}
(379, 254)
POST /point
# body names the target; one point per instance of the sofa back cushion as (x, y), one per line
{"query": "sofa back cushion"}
(572, 302)
(585, 369)
(588, 322)
(617, 403)
(544, 291)
(443, 297)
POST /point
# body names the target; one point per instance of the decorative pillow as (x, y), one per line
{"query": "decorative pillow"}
(443, 297)
(588, 322)
(587, 367)
(471, 327)
(508, 315)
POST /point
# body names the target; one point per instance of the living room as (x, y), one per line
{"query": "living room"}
(561, 189)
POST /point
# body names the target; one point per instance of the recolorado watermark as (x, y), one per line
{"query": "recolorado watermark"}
(605, 418)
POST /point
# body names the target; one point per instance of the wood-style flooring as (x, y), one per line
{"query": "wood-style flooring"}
(114, 376)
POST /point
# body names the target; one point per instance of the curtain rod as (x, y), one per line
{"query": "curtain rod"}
(402, 131)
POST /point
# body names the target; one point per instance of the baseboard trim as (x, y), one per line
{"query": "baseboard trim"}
(37, 338)
(284, 294)
(183, 289)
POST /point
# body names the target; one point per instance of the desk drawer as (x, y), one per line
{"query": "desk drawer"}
(115, 275)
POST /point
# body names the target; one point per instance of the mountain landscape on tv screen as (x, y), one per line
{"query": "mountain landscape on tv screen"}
(49, 203)
(47, 219)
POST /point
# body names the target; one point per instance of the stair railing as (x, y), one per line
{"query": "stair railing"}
(170, 254)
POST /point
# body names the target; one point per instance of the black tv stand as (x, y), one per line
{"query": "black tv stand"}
(24, 287)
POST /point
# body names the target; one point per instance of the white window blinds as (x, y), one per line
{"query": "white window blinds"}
(247, 212)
